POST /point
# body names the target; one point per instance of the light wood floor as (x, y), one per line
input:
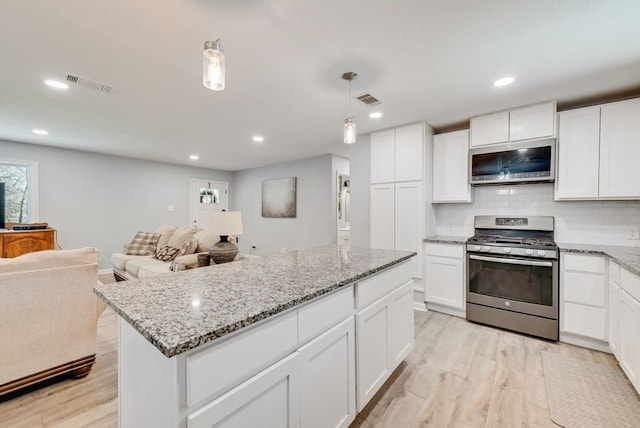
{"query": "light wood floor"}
(459, 374)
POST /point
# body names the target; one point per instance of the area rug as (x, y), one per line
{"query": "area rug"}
(583, 394)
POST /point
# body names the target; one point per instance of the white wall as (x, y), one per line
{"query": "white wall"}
(102, 201)
(315, 223)
(591, 222)
(360, 167)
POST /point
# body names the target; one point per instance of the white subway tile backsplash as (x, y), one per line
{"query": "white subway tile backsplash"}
(597, 222)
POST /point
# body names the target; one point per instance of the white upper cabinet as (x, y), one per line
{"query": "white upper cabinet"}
(620, 149)
(397, 154)
(524, 123)
(451, 167)
(490, 129)
(578, 153)
(599, 152)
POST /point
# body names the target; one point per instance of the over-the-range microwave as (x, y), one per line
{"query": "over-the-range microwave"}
(509, 163)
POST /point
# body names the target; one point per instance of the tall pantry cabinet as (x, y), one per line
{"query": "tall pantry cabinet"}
(400, 202)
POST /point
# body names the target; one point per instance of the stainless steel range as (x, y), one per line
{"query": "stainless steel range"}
(512, 265)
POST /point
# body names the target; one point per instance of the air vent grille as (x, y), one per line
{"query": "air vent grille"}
(90, 84)
(368, 99)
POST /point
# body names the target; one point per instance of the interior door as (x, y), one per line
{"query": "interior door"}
(206, 196)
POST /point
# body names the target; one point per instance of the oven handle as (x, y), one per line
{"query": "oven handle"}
(511, 261)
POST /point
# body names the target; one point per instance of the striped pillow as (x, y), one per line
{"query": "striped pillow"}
(143, 244)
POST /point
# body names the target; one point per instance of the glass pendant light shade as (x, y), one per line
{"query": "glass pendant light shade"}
(350, 130)
(213, 66)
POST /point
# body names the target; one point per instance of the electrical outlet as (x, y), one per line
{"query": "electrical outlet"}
(450, 227)
(633, 233)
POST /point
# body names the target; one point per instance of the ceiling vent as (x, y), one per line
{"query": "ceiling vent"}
(368, 100)
(91, 84)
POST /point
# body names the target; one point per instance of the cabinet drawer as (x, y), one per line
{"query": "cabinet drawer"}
(376, 287)
(584, 320)
(630, 283)
(445, 250)
(218, 367)
(614, 272)
(585, 288)
(583, 263)
(317, 317)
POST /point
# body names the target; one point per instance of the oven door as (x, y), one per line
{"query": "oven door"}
(514, 284)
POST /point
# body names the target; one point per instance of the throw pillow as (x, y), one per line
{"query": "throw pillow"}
(182, 235)
(143, 244)
(175, 266)
(165, 232)
(166, 253)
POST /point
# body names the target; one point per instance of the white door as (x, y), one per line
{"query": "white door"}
(207, 196)
(382, 216)
(408, 219)
(444, 282)
(489, 129)
(328, 378)
(535, 121)
(269, 399)
(578, 153)
(620, 149)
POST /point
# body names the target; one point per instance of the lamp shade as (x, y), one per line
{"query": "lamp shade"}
(225, 223)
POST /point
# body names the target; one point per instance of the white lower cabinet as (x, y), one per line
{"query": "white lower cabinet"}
(614, 308)
(269, 399)
(629, 324)
(328, 378)
(445, 277)
(583, 296)
(384, 338)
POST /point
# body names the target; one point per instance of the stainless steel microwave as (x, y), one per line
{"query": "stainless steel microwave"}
(509, 163)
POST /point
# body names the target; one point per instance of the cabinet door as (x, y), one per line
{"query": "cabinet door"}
(409, 221)
(630, 338)
(614, 321)
(578, 153)
(372, 326)
(269, 399)
(451, 167)
(444, 282)
(400, 324)
(489, 129)
(383, 156)
(534, 121)
(328, 388)
(408, 152)
(620, 149)
(382, 216)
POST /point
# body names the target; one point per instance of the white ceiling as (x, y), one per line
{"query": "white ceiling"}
(431, 60)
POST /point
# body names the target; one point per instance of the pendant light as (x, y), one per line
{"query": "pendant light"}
(213, 66)
(349, 122)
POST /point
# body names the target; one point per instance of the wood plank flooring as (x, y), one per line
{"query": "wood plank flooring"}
(459, 374)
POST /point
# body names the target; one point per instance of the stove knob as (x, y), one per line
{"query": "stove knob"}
(541, 253)
(528, 252)
(507, 250)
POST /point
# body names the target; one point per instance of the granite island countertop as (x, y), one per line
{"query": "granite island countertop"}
(180, 311)
(627, 257)
(446, 239)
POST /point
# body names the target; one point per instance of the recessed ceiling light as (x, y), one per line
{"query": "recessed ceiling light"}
(258, 138)
(56, 84)
(375, 115)
(194, 157)
(504, 81)
(40, 132)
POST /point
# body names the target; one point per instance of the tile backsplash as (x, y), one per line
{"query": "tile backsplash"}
(589, 222)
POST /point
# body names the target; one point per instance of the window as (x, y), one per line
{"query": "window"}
(20, 179)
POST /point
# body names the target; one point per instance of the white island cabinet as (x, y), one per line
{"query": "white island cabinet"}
(305, 362)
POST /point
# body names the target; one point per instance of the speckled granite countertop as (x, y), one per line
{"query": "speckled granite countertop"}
(627, 257)
(447, 239)
(180, 311)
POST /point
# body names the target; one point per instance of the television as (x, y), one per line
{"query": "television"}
(2, 225)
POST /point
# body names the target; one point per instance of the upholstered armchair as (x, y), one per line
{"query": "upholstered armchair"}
(48, 316)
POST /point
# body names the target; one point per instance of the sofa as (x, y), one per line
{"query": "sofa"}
(186, 242)
(48, 315)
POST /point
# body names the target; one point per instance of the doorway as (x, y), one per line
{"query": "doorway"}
(344, 208)
(206, 196)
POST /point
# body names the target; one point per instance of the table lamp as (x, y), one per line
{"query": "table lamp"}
(225, 224)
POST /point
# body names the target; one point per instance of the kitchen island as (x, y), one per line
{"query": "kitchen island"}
(271, 341)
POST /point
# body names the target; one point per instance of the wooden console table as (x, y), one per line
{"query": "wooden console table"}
(16, 242)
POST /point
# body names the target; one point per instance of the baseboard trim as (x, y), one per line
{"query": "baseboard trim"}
(585, 342)
(105, 271)
(419, 306)
(461, 313)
